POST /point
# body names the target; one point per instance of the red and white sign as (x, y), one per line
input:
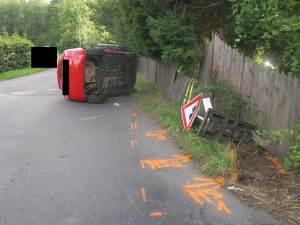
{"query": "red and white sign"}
(189, 111)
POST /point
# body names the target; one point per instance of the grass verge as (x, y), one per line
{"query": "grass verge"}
(19, 73)
(213, 157)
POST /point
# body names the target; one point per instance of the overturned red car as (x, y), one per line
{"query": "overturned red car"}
(96, 74)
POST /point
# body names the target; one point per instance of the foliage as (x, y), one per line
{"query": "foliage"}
(14, 51)
(223, 97)
(292, 158)
(174, 31)
(268, 30)
(77, 30)
(176, 39)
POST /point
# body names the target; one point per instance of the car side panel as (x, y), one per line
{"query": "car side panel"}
(76, 59)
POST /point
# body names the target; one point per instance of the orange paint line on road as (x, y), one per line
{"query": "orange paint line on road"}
(144, 194)
(220, 180)
(133, 126)
(156, 214)
(202, 193)
(132, 143)
(222, 206)
(159, 134)
(135, 141)
(161, 163)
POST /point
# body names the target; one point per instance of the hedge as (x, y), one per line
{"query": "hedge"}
(14, 52)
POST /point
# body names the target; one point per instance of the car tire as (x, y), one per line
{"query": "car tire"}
(95, 98)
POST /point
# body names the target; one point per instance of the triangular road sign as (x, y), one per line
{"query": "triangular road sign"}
(189, 112)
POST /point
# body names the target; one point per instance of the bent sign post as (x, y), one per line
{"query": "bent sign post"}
(189, 111)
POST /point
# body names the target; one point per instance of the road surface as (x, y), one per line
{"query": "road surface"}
(65, 162)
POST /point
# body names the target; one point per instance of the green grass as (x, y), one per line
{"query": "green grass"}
(213, 157)
(19, 73)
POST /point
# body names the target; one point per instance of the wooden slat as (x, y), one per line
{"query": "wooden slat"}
(275, 102)
(261, 97)
(281, 101)
(295, 102)
(254, 85)
(270, 83)
(269, 148)
(287, 102)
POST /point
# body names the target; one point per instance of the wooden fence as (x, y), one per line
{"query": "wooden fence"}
(276, 95)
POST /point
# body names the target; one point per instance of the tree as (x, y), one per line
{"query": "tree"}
(170, 30)
(77, 30)
(269, 31)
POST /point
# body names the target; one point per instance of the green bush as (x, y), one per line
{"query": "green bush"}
(223, 96)
(14, 51)
(292, 158)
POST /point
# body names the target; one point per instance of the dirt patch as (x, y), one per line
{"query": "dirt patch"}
(266, 188)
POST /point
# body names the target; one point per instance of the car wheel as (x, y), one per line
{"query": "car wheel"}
(95, 98)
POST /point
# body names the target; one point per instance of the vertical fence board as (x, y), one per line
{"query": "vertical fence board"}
(281, 101)
(294, 114)
(206, 63)
(270, 83)
(254, 85)
(261, 95)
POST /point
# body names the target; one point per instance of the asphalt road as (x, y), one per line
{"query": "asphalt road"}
(65, 162)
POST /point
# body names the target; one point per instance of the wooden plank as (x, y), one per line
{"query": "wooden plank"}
(244, 88)
(275, 102)
(269, 96)
(294, 112)
(288, 102)
(222, 59)
(269, 148)
(206, 63)
(216, 57)
(227, 63)
(287, 108)
(240, 73)
(254, 85)
(235, 67)
(281, 100)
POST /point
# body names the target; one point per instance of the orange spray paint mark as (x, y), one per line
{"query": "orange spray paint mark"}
(220, 180)
(234, 173)
(159, 134)
(215, 69)
(161, 163)
(276, 163)
(222, 206)
(133, 114)
(133, 126)
(134, 143)
(206, 190)
(156, 214)
(144, 194)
